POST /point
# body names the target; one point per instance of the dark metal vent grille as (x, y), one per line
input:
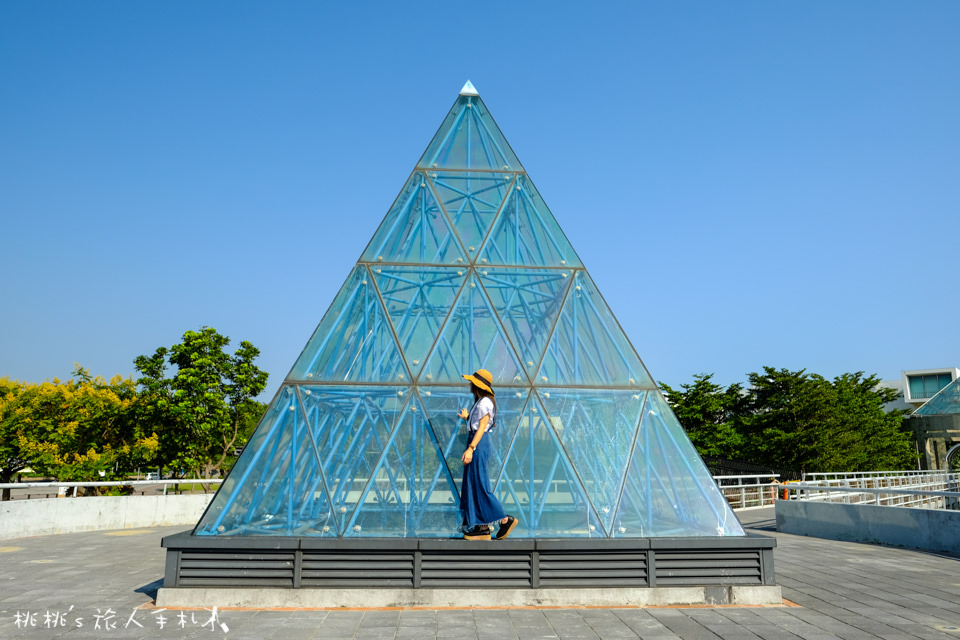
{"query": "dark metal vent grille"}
(483, 570)
(708, 568)
(217, 569)
(559, 569)
(351, 569)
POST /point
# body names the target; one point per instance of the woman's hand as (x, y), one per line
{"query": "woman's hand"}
(467, 456)
(464, 414)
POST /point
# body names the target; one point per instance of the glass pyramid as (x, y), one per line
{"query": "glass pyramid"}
(945, 402)
(469, 269)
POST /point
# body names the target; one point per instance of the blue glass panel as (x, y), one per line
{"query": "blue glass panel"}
(442, 404)
(412, 492)
(472, 339)
(588, 346)
(354, 342)
(351, 426)
(471, 201)
(946, 402)
(528, 302)
(539, 486)
(597, 428)
(418, 300)
(278, 489)
(668, 491)
(526, 233)
(469, 139)
(916, 387)
(415, 230)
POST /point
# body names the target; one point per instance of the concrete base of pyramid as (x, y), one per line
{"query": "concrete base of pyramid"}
(467, 598)
(293, 571)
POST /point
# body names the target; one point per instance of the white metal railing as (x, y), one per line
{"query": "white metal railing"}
(742, 492)
(920, 499)
(893, 488)
(748, 491)
(918, 489)
(937, 480)
(58, 487)
(896, 477)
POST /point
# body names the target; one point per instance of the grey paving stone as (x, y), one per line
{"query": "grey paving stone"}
(680, 622)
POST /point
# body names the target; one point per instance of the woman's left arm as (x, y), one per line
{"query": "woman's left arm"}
(467, 456)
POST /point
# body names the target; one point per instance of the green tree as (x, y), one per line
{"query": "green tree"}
(802, 421)
(875, 439)
(198, 412)
(785, 419)
(796, 420)
(708, 413)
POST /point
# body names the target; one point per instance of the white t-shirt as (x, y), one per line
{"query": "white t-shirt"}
(483, 407)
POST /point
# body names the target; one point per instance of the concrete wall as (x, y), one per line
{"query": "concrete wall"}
(930, 529)
(21, 518)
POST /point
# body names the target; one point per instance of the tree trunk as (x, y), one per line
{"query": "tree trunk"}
(5, 478)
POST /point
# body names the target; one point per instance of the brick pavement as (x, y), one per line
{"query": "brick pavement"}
(844, 591)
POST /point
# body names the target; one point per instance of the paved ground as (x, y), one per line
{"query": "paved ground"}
(100, 585)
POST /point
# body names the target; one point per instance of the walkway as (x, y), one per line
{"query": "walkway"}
(840, 590)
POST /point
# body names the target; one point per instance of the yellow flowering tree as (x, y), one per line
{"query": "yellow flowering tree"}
(73, 430)
(11, 459)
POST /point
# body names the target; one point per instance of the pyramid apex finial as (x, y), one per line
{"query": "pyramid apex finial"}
(469, 90)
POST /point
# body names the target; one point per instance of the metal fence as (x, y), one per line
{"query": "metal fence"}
(741, 491)
(29, 490)
(749, 491)
(917, 489)
(927, 489)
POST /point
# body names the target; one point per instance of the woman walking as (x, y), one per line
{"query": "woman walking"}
(480, 507)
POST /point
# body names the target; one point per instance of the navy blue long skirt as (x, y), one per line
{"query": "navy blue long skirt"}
(477, 502)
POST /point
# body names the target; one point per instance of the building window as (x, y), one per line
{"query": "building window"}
(922, 387)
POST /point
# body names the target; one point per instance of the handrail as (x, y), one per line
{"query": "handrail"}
(109, 483)
(747, 491)
(820, 488)
(840, 475)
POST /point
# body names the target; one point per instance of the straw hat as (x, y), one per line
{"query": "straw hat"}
(482, 378)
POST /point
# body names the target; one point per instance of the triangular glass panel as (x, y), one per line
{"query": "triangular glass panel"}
(418, 300)
(597, 428)
(539, 486)
(528, 302)
(354, 341)
(442, 405)
(472, 339)
(945, 402)
(411, 492)
(351, 426)
(469, 139)
(276, 487)
(471, 200)
(526, 233)
(415, 230)
(588, 347)
(667, 489)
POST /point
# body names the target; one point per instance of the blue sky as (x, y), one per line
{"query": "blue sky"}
(748, 183)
